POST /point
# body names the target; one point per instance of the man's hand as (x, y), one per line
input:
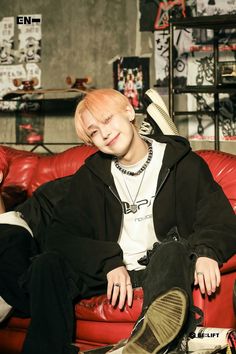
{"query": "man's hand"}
(207, 275)
(119, 287)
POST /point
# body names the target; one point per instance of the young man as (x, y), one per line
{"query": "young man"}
(140, 212)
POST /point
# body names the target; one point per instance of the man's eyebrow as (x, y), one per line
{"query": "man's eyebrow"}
(92, 126)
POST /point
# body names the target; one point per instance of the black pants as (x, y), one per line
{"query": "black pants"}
(16, 249)
(51, 287)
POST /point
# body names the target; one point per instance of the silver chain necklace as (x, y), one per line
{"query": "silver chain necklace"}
(143, 168)
(134, 207)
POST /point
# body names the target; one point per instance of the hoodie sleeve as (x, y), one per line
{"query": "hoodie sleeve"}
(37, 211)
(73, 232)
(14, 218)
(214, 230)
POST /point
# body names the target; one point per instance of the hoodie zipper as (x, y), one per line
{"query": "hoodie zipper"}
(162, 182)
(157, 192)
(122, 219)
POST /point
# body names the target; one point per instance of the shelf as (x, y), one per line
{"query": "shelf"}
(208, 47)
(34, 109)
(204, 89)
(193, 113)
(218, 24)
(48, 106)
(210, 22)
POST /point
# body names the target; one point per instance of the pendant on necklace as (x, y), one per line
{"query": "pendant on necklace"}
(133, 208)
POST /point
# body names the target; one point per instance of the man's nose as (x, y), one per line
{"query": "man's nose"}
(105, 132)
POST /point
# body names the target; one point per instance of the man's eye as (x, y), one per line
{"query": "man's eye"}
(107, 120)
(93, 133)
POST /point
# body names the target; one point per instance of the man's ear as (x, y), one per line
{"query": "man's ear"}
(131, 112)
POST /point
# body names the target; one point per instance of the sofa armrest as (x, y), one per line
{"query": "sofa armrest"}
(3, 162)
(216, 306)
(99, 308)
(229, 266)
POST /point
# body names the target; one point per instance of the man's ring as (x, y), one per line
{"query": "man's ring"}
(128, 284)
(117, 284)
(200, 273)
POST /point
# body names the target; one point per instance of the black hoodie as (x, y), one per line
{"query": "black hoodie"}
(88, 221)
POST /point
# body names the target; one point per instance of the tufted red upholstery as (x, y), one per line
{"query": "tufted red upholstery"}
(97, 323)
(222, 167)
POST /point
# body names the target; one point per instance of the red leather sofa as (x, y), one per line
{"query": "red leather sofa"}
(97, 323)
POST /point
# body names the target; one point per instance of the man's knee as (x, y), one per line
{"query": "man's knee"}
(172, 247)
(170, 254)
(16, 237)
(46, 261)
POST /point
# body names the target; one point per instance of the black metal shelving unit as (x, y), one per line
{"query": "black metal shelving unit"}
(49, 107)
(215, 23)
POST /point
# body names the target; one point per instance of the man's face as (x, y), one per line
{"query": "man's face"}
(112, 136)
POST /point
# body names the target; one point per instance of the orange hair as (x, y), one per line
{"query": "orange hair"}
(101, 103)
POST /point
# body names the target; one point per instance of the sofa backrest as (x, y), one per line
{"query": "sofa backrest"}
(26, 171)
(223, 169)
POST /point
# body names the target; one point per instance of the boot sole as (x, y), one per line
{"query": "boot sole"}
(162, 323)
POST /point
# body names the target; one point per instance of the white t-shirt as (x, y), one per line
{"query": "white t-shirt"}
(137, 232)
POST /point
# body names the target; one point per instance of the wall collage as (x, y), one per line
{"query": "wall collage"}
(20, 55)
(194, 64)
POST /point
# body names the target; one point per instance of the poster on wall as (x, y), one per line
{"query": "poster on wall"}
(28, 110)
(13, 77)
(201, 125)
(161, 55)
(7, 54)
(30, 36)
(201, 69)
(182, 43)
(155, 14)
(216, 7)
(34, 72)
(131, 77)
(167, 8)
(201, 73)
(7, 75)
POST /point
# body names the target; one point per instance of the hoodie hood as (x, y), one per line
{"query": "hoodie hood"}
(176, 148)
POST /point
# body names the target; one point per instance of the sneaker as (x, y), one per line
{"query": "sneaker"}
(160, 325)
(5, 309)
(158, 119)
(152, 96)
(162, 119)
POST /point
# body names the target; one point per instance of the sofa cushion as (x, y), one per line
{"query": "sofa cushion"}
(222, 166)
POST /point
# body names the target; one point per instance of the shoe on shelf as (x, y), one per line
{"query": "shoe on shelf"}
(158, 119)
(5, 309)
(152, 96)
(157, 330)
(163, 120)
